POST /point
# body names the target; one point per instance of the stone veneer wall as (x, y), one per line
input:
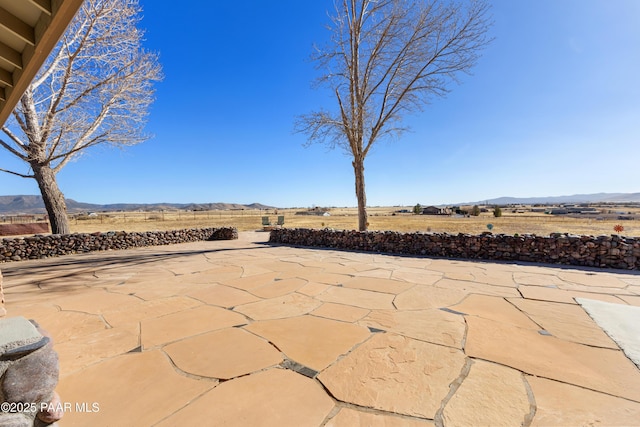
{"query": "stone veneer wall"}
(35, 247)
(602, 251)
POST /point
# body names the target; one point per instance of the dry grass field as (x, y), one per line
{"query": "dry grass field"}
(346, 218)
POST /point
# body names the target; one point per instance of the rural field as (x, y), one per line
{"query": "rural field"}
(380, 218)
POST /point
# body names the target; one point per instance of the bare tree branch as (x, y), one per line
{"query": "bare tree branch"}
(386, 59)
(16, 173)
(12, 150)
(95, 88)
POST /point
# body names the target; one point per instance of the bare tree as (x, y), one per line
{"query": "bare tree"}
(95, 88)
(388, 58)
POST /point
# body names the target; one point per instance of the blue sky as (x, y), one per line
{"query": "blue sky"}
(552, 108)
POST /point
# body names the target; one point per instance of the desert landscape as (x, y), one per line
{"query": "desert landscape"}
(380, 219)
(540, 216)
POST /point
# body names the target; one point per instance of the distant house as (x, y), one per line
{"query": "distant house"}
(574, 210)
(434, 210)
(558, 211)
(315, 211)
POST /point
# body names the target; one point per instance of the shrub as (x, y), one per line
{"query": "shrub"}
(497, 212)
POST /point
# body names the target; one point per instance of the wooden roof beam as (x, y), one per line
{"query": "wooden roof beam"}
(10, 55)
(6, 79)
(43, 5)
(15, 26)
(56, 17)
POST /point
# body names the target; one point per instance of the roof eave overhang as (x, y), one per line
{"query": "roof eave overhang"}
(54, 19)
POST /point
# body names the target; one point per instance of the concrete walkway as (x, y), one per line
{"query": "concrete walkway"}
(241, 333)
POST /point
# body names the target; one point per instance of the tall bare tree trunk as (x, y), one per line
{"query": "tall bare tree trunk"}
(385, 59)
(361, 195)
(52, 197)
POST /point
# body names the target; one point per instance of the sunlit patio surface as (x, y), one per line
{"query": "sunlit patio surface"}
(243, 333)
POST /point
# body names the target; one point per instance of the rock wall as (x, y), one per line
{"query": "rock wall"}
(36, 247)
(602, 251)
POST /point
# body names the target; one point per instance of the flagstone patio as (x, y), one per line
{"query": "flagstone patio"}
(243, 333)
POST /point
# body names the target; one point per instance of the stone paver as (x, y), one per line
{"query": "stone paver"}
(544, 293)
(149, 309)
(565, 321)
(68, 325)
(495, 308)
(631, 300)
(470, 287)
(428, 297)
(245, 333)
(223, 354)
(490, 395)
(279, 308)
(592, 279)
(560, 404)
(275, 398)
(314, 342)
(135, 389)
(251, 281)
(346, 313)
(378, 285)
(96, 347)
(395, 374)
(419, 276)
(96, 302)
(602, 369)
(186, 323)
(279, 288)
(223, 296)
(313, 289)
(357, 298)
(348, 417)
(434, 326)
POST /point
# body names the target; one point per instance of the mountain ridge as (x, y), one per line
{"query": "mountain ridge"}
(575, 198)
(30, 204)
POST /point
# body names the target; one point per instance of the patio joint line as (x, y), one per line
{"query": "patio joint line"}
(453, 388)
(533, 407)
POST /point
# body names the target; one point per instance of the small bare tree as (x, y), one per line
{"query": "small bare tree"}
(95, 88)
(388, 58)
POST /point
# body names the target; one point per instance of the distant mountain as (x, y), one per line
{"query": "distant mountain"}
(553, 200)
(20, 203)
(34, 205)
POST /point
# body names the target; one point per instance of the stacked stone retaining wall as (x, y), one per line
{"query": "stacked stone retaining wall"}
(44, 246)
(600, 251)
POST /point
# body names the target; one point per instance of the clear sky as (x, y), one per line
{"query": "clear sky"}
(552, 108)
